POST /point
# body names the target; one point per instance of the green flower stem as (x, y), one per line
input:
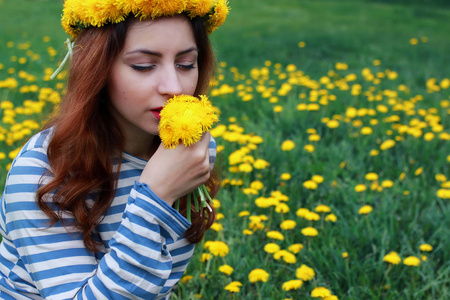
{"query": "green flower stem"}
(195, 200)
(188, 207)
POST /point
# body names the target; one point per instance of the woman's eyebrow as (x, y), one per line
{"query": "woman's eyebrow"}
(159, 54)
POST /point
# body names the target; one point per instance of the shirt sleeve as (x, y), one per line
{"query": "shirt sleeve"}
(55, 259)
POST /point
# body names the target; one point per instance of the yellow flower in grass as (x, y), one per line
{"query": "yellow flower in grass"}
(426, 247)
(271, 248)
(320, 292)
(185, 118)
(310, 185)
(366, 209)
(305, 273)
(332, 297)
(387, 183)
(244, 213)
(292, 285)
(322, 208)
(310, 231)
(317, 178)
(360, 188)
(418, 171)
(186, 278)
(217, 248)
(295, 248)
(226, 269)
(276, 235)
(371, 176)
(387, 144)
(312, 216)
(392, 258)
(258, 275)
(217, 227)
(285, 176)
(206, 257)
(257, 185)
(287, 145)
(301, 212)
(233, 287)
(412, 261)
(288, 224)
(331, 218)
(344, 254)
(247, 231)
(287, 256)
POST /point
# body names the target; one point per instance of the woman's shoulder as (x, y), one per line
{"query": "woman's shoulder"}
(36, 146)
(40, 139)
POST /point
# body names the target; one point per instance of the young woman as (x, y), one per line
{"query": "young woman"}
(87, 208)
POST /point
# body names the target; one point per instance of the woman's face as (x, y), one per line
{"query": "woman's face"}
(158, 61)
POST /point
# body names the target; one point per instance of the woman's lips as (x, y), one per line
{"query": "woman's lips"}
(157, 112)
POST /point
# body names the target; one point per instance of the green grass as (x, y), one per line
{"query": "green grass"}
(353, 32)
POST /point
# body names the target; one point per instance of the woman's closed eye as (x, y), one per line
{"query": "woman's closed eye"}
(186, 66)
(143, 67)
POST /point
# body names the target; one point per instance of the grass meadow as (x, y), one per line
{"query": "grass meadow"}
(333, 144)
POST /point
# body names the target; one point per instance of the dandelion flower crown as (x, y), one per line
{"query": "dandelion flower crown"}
(80, 14)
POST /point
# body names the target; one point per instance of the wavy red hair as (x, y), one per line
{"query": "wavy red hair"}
(86, 139)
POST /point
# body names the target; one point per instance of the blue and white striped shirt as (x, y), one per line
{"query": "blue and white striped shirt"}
(144, 253)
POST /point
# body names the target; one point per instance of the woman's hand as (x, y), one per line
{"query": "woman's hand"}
(173, 173)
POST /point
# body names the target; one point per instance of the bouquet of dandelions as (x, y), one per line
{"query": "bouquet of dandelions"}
(184, 119)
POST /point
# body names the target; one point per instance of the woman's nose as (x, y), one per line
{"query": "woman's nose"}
(170, 83)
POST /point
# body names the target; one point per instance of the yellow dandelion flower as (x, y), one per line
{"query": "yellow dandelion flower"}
(366, 209)
(310, 185)
(260, 164)
(185, 118)
(258, 275)
(287, 145)
(295, 248)
(305, 273)
(217, 248)
(418, 171)
(292, 285)
(217, 227)
(320, 292)
(226, 269)
(322, 208)
(287, 256)
(221, 11)
(426, 247)
(331, 218)
(309, 148)
(412, 261)
(206, 257)
(312, 216)
(247, 232)
(310, 231)
(387, 144)
(244, 213)
(332, 297)
(288, 224)
(257, 185)
(186, 278)
(199, 7)
(317, 179)
(344, 254)
(233, 287)
(271, 248)
(276, 235)
(360, 188)
(392, 258)
(371, 176)
(301, 212)
(285, 176)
